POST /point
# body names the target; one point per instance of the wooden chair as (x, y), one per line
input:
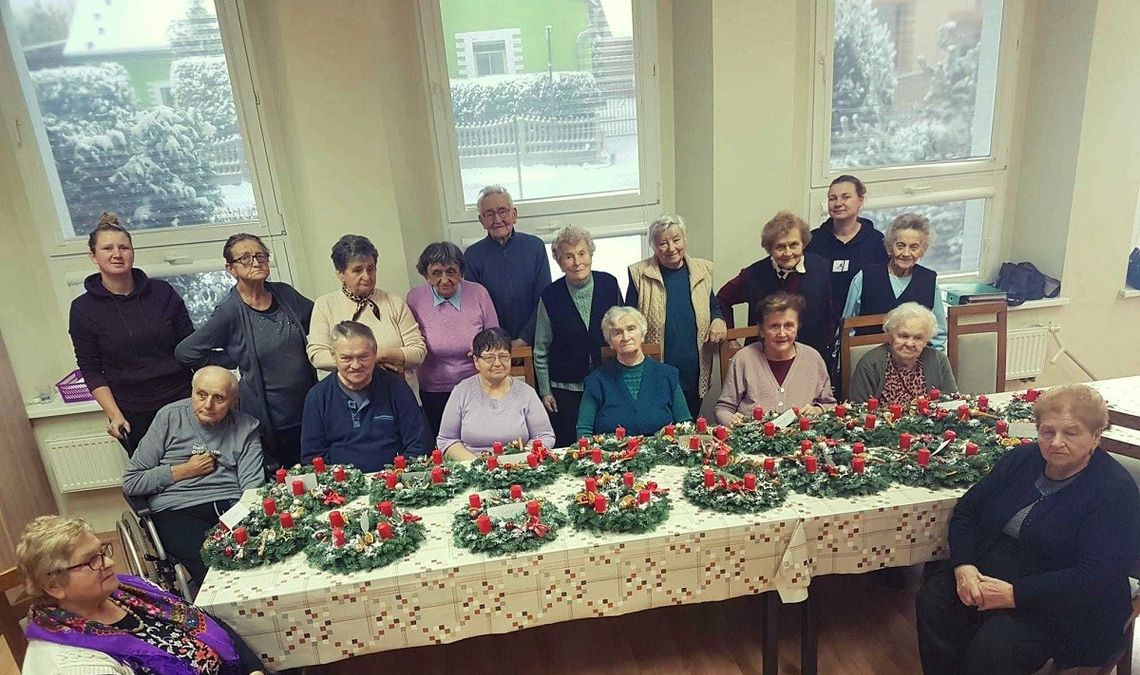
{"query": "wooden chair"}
(14, 611)
(522, 364)
(853, 347)
(975, 345)
(731, 344)
(650, 349)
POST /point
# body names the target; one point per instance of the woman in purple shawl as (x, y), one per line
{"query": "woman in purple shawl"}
(85, 618)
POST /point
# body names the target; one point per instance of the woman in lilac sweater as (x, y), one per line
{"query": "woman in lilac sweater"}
(491, 405)
(450, 312)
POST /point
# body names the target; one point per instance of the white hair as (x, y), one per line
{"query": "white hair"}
(215, 371)
(570, 236)
(907, 311)
(495, 189)
(617, 313)
(663, 223)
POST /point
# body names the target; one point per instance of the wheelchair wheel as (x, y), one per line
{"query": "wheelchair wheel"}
(184, 584)
(136, 548)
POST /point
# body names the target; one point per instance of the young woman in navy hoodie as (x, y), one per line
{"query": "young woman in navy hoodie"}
(124, 329)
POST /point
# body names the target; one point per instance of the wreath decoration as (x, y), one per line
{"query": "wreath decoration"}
(610, 453)
(268, 537)
(740, 487)
(954, 466)
(612, 503)
(292, 496)
(363, 538)
(499, 471)
(346, 479)
(808, 473)
(506, 521)
(427, 484)
(698, 451)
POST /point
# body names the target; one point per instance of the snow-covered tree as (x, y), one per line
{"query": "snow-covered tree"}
(202, 84)
(863, 65)
(196, 33)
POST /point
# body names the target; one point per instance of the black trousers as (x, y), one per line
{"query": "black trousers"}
(283, 448)
(693, 398)
(954, 639)
(433, 403)
(565, 421)
(140, 422)
(182, 532)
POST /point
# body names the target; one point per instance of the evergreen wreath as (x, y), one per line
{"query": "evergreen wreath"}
(514, 471)
(729, 491)
(523, 530)
(949, 468)
(368, 539)
(831, 479)
(306, 504)
(683, 453)
(260, 542)
(636, 508)
(346, 479)
(414, 488)
(615, 455)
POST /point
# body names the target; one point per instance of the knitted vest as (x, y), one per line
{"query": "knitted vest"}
(648, 413)
(650, 286)
(879, 298)
(575, 349)
(815, 286)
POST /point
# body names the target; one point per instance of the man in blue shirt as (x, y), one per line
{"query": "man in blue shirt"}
(512, 266)
(362, 416)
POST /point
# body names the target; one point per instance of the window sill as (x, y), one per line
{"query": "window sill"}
(1059, 301)
(57, 408)
(1129, 293)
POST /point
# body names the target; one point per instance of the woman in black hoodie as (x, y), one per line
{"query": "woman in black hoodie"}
(124, 330)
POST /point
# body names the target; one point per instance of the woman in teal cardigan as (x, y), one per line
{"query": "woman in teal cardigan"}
(631, 391)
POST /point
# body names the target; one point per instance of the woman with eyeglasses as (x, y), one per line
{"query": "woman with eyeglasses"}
(450, 313)
(491, 405)
(87, 619)
(260, 329)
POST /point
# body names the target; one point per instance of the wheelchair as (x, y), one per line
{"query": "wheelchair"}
(144, 553)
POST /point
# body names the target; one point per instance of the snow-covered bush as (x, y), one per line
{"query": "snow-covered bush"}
(491, 99)
(202, 83)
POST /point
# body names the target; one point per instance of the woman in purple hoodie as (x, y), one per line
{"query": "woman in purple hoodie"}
(124, 330)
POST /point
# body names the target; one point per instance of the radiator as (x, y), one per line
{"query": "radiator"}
(1025, 352)
(90, 462)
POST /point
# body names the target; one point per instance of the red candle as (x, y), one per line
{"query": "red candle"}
(336, 519)
(749, 481)
(983, 403)
(627, 479)
(858, 464)
(769, 429)
(923, 406)
(281, 474)
(841, 410)
(483, 522)
(583, 443)
(872, 404)
(390, 480)
(805, 424)
(923, 456)
(895, 409)
(298, 488)
(670, 430)
(497, 447)
(338, 537)
(950, 435)
(619, 433)
(591, 484)
(319, 464)
(702, 425)
(1002, 427)
(286, 520)
(437, 456)
(722, 457)
(770, 464)
(516, 491)
(437, 474)
(805, 446)
(600, 504)
(644, 496)
(720, 432)
(533, 508)
(596, 455)
(385, 507)
(492, 463)
(532, 461)
(1030, 395)
(384, 530)
(869, 422)
(811, 463)
(339, 474)
(475, 501)
(400, 462)
(858, 447)
(757, 413)
(633, 444)
(694, 443)
(269, 505)
(971, 449)
(710, 478)
(963, 412)
(536, 444)
(241, 535)
(935, 394)
(904, 441)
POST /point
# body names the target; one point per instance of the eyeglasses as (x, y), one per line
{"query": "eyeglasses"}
(96, 562)
(248, 258)
(491, 359)
(501, 212)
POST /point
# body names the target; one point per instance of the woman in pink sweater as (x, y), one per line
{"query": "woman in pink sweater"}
(776, 373)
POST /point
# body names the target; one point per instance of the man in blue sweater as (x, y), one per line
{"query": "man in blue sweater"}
(363, 416)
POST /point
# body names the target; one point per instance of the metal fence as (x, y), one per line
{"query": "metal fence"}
(228, 157)
(618, 117)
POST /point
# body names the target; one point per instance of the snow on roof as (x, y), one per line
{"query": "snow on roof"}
(101, 27)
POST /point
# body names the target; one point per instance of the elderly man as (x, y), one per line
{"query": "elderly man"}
(511, 265)
(194, 462)
(363, 416)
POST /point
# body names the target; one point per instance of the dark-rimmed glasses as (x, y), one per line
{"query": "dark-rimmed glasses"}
(248, 259)
(96, 562)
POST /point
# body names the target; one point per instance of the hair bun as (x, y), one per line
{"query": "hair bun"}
(108, 218)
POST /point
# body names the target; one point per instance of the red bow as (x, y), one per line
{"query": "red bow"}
(541, 453)
(411, 518)
(536, 526)
(333, 498)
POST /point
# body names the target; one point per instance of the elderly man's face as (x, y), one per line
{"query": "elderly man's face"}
(355, 361)
(498, 217)
(212, 398)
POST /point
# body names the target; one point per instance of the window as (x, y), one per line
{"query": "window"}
(907, 98)
(555, 101)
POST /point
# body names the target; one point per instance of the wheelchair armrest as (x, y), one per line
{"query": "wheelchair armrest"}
(140, 505)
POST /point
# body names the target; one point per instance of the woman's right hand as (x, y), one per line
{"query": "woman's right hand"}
(969, 583)
(117, 425)
(550, 404)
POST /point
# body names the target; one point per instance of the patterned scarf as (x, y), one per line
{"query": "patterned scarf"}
(903, 386)
(362, 303)
(52, 624)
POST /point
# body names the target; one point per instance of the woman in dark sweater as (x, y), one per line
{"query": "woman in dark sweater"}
(1040, 551)
(124, 329)
(260, 329)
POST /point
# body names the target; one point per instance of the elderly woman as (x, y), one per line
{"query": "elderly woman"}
(398, 338)
(776, 373)
(673, 291)
(450, 313)
(632, 391)
(1040, 551)
(124, 329)
(787, 268)
(259, 328)
(877, 289)
(491, 405)
(568, 329)
(904, 368)
(87, 619)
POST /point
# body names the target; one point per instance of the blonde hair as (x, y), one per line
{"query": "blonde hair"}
(1081, 401)
(45, 549)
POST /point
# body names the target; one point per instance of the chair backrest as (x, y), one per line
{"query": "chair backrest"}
(522, 364)
(975, 346)
(650, 349)
(731, 344)
(852, 347)
(12, 611)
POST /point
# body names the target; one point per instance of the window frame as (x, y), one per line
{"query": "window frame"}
(621, 209)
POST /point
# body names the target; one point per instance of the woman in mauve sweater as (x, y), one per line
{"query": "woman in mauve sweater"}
(776, 373)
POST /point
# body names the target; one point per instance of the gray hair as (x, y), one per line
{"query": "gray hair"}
(495, 189)
(663, 223)
(215, 371)
(440, 253)
(349, 248)
(617, 313)
(1083, 402)
(909, 221)
(907, 311)
(346, 330)
(572, 235)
